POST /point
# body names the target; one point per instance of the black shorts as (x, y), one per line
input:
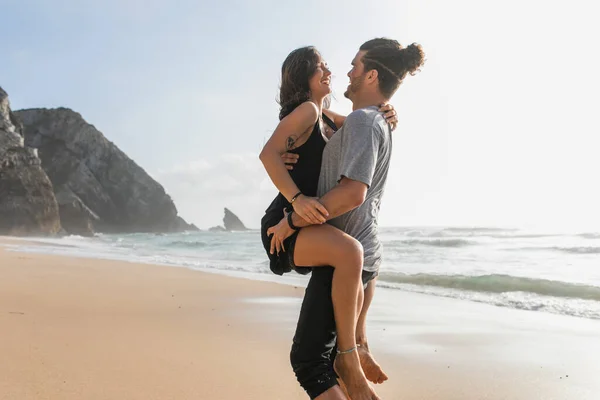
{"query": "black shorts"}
(284, 261)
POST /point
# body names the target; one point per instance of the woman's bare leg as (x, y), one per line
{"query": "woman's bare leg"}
(325, 245)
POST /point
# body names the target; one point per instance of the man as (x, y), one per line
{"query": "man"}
(351, 184)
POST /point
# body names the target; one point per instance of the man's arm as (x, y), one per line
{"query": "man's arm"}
(357, 166)
(344, 197)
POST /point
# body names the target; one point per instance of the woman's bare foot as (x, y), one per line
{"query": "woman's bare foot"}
(347, 366)
(371, 368)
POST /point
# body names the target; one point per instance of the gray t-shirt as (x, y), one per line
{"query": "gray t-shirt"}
(361, 151)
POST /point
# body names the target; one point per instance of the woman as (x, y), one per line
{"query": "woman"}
(305, 88)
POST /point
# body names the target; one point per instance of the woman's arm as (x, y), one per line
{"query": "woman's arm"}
(289, 159)
(387, 109)
(289, 131)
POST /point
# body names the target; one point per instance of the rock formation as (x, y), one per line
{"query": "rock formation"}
(27, 202)
(231, 223)
(98, 188)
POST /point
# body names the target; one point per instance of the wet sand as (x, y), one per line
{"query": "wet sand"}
(74, 328)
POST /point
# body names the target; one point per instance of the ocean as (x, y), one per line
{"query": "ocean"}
(539, 271)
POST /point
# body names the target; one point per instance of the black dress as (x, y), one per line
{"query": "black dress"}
(306, 176)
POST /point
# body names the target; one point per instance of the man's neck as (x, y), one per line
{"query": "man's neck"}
(368, 100)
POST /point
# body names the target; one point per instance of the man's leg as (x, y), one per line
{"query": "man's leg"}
(361, 325)
(372, 370)
(315, 338)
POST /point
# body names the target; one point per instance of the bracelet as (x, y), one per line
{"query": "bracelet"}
(347, 351)
(291, 223)
(295, 197)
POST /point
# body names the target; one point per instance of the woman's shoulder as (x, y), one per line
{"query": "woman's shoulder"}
(307, 111)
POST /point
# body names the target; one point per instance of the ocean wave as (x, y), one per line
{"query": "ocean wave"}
(431, 242)
(187, 244)
(526, 236)
(580, 250)
(589, 235)
(496, 283)
(478, 229)
(569, 250)
(519, 300)
(430, 234)
(75, 237)
(496, 233)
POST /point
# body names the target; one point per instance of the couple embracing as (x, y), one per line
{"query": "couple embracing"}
(331, 171)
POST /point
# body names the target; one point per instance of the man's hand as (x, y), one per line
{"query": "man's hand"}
(310, 209)
(290, 159)
(390, 114)
(280, 232)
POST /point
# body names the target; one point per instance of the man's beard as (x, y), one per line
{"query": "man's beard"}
(355, 85)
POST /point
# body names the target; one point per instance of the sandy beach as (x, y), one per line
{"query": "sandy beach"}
(76, 328)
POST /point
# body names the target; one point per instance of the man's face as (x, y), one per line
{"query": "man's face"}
(356, 75)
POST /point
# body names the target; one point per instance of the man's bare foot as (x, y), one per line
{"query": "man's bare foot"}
(343, 387)
(347, 366)
(371, 368)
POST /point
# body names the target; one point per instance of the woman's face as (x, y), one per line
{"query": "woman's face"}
(320, 82)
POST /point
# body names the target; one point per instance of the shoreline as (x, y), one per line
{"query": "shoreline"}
(556, 295)
(109, 327)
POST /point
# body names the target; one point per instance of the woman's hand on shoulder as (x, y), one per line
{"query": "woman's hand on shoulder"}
(390, 114)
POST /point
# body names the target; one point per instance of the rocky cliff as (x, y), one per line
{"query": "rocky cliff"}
(231, 222)
(27, 202)
(98, 188)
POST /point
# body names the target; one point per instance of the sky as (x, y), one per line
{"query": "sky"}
(500, 128)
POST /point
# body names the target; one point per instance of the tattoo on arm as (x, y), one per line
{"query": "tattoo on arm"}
(291, 142)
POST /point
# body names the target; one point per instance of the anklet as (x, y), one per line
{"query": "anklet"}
(347, 351)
